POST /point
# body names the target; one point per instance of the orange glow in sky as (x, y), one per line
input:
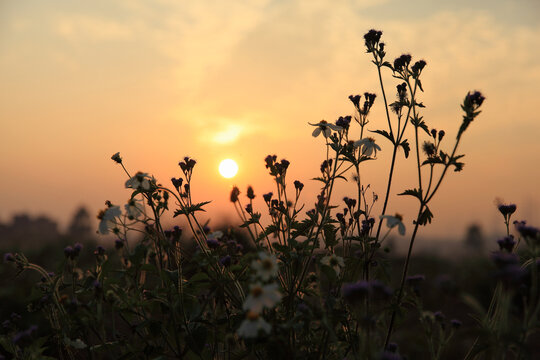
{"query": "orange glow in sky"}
(157, 81)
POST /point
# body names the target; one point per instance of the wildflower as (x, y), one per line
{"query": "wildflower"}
(252, 325)
(527, 231)
(429, 149)
(396, 220)
(506, 243)
(344, 122)
(140, 181)
(507, 209)
(23, 335)
(262, 296)
(372, 38)
(402, 62)
(456, 324)
(355, 99)
(351, 203)
(249, 209)
(106, 218)
(379, 290)
(298, 185)
(225, 261)
(9, 257)
(334, 261)
(441, 134)
(177, 183)
(250, 193)
(134, 208)
(68, 252)
(212, 243)
(266, 267)
(268, 197)
(355, 292)
(475, 98)
(116, 157)
(368, 146)
(418, 67)
(77, 248)
(325, 128)
(235, 192)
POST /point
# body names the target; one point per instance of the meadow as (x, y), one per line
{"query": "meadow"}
(297, 279)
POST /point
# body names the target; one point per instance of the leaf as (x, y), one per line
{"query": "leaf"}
(188, 210)
(420, 85)
(412, 192)
(330, 235)
(385, 134)
(425, 217)
(406, 148)
(474, 304)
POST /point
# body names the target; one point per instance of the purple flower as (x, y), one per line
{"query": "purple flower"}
(225, 261)
(527, 231)
(355, 292)
(9, 257)
(68, 251)
(77, 248)
(506, 243)
(507, 209)
(212, 243)
(298, 185)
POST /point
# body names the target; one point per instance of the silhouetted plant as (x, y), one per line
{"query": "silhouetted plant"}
(307, 284)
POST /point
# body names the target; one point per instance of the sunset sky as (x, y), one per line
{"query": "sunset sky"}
(158, 80)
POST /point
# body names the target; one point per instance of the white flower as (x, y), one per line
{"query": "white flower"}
(141, 181)
(216, 235)
(134, 208)
(266, 267)
(325, 128)
(261, 297)
(368, 146)
(252, 325)
(106, 219)
(334, 261)
(396, 220)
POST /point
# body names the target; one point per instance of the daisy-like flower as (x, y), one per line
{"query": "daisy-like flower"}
(393, 221)
(266, 267)
(262, 296)
(141, 181)
(334, 261)
(106, 218)
(324, 128)
(134, 208)
(253, 324)
(368, 146)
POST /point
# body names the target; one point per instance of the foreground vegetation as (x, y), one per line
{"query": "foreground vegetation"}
(305, 283)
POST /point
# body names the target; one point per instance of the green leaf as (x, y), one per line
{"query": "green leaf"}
(191, 209)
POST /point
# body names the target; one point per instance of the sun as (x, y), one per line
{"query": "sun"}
(228, 168)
